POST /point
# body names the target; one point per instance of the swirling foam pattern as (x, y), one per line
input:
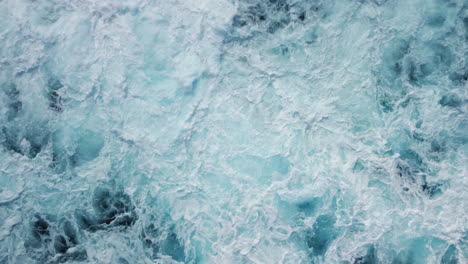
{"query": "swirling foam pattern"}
(233, 131)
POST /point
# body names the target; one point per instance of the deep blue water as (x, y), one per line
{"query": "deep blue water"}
(234, 131)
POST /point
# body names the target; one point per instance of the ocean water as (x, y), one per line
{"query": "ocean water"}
(234, 131)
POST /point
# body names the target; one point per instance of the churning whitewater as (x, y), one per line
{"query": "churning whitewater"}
(234, 131)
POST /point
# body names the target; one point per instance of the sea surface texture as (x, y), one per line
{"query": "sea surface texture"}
(234, 131)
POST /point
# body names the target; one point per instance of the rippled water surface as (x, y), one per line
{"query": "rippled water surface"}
(234, 131)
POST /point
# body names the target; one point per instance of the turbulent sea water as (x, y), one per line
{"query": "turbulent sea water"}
(234, 131)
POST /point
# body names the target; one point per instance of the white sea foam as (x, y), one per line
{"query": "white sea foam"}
(233, 131)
